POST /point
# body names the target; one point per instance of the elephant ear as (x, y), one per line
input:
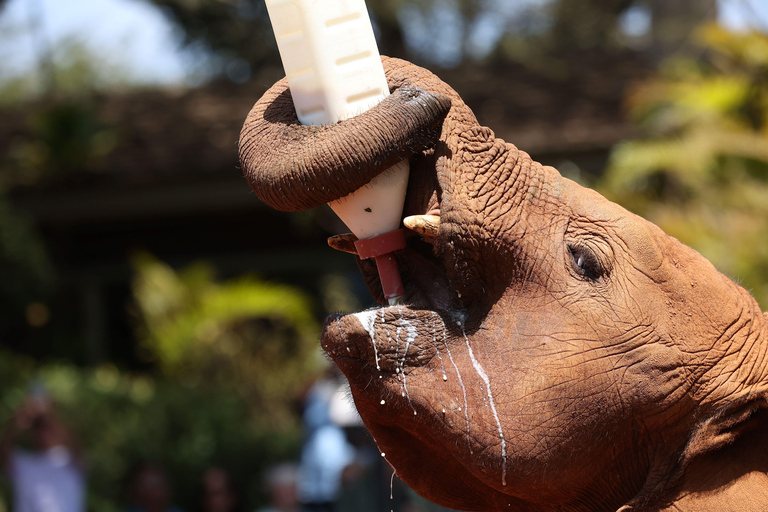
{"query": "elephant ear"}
(722, 449)
(293, 167)
(728, 425)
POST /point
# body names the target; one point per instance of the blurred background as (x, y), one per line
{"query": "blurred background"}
(171, 320)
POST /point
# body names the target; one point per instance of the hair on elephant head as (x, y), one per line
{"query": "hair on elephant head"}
(554, 351)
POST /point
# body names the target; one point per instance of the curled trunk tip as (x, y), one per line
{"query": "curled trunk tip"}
(293, 167)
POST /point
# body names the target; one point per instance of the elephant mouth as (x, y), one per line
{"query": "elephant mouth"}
(392, 340)
(395, 358)
(388, 343)
(387, 349)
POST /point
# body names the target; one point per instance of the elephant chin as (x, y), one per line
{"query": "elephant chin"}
(389, 356)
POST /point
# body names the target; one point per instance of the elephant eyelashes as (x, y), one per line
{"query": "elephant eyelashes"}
(585, 263)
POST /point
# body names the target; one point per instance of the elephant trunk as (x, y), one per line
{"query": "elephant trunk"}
(292, 167)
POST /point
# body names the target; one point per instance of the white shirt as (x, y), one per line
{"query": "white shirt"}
(49, 481)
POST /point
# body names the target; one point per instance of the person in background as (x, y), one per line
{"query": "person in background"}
(219, 494)
(49, 477)
(326, 451)
(281, 484)
(150, 491)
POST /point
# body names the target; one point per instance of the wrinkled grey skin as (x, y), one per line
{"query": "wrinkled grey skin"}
(554, 351)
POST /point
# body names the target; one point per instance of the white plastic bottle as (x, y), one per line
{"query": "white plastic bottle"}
(334, 72)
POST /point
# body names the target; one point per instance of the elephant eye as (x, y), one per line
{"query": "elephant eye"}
(585, 263)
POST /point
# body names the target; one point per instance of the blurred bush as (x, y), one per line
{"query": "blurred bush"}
(25, 269)
(700, 171)
(257, 339)
(124, 420)
(63, 138)
(68, 69)
(232, 359)
(26, 272)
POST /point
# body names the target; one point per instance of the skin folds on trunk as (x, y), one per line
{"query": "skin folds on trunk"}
(306, 166)
(555, 352)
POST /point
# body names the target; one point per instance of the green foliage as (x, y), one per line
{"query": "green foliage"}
(68, 70)
(63, 137)
(61, 132)
(25, 270)
(123, 420)
(257, 338)
(26, 273)
(233, 357)
(701, 169)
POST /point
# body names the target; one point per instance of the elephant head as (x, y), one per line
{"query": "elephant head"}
(554, 351)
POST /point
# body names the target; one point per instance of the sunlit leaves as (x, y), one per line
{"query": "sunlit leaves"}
(255, 337)
(701, 169)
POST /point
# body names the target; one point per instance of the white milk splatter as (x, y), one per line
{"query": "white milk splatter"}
(368, 320)
(382, 316)
(464, 390)
(461, 382)
(398, 370)
(410, 336)
(442, 366)
(481, 372)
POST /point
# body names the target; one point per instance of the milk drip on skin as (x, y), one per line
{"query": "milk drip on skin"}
(334, 71)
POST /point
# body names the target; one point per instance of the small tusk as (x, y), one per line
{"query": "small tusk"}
(343, 243)
(426, 225)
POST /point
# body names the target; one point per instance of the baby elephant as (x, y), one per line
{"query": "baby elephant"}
(554, 351)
